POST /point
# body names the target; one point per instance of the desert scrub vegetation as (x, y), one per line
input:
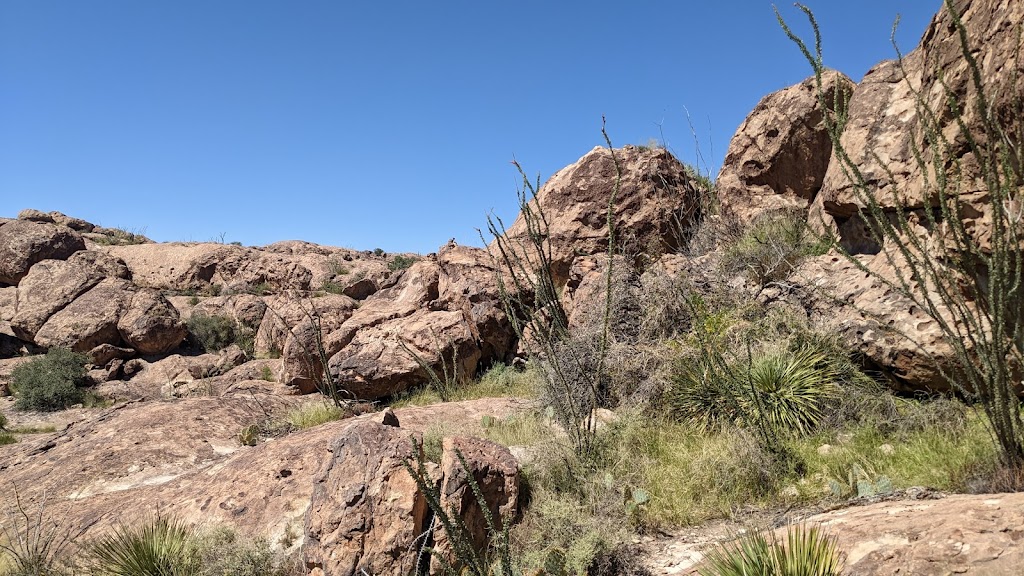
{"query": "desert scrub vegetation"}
(50, 382)
(214, 332)
(772, 246)
(401, 262)
(498, 381)
(968, 283)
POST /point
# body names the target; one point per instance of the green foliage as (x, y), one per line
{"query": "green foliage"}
(313, 414)
(332, 287)
(3, 421)
(159, 547)
(7, 438)
(779, 392)
(49, 382)
(221, 552)
(807, 551)
(267, 374)
(378, 252)
(401, 262)
(213, 332)
(121, 237)
(773, 246)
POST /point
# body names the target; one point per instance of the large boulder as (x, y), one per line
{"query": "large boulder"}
(657, 200)
(76, 224)
(464, 462)
(884, 127)
(366, 511)
(23, 243)
(779, 155)
(150, 324)
(89, 320)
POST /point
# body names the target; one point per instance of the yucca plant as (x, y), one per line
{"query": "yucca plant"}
(160, 547)
(808, 551)
(787, 390)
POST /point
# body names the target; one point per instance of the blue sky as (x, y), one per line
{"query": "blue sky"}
(375, 124)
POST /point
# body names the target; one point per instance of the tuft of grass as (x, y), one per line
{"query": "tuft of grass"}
(267, 374)
(313, 414)
(773, 246)
(807, 551)
(49, 382)
(500, 381)
(7, 438)
(332, 287)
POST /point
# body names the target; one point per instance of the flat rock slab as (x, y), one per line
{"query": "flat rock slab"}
(960, 534)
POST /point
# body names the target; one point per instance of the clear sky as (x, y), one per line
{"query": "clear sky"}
(375, 124)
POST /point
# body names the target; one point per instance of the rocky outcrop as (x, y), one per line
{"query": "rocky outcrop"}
(444, 313)
(76, 224)
(959, 534)
(122, 465)
(778, 158)
(656, 202)
(88, 300)
(23, 243)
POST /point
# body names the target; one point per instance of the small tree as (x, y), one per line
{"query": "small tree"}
(970, 285)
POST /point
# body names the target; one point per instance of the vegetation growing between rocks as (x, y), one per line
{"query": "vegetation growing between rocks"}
(50, 382)
(970, 286)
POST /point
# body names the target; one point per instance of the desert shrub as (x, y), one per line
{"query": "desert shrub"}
(401, 262)
(49, 382)
(807, 551)
(213, 332)
(776, 392)
(772, 247)
(158, 547)
(222, 552)
(332, 287)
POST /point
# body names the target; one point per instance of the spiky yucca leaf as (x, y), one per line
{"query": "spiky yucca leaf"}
(808, 551)
(160, 547)
(789, 389)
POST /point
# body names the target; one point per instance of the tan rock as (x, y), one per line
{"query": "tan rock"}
(655, 195)
(76, 224)
(366, 510)
(23, 243)
(150, 324)
(779, 155)
(495, 472)
(89, 320)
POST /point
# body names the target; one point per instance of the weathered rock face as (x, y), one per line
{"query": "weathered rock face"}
(884, 126)
(76, 224)
(23, 243)
(779, 155)
(150, 324)
(495, 472)
(656, 194)
(88, 300)
(121, 465)
(366, 510)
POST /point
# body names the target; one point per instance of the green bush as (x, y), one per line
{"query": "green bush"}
(808, 551)
(213, 332)
(401, 262)
(49, 382)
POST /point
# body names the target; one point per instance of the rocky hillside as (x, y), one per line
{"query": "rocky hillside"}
(193, 349)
